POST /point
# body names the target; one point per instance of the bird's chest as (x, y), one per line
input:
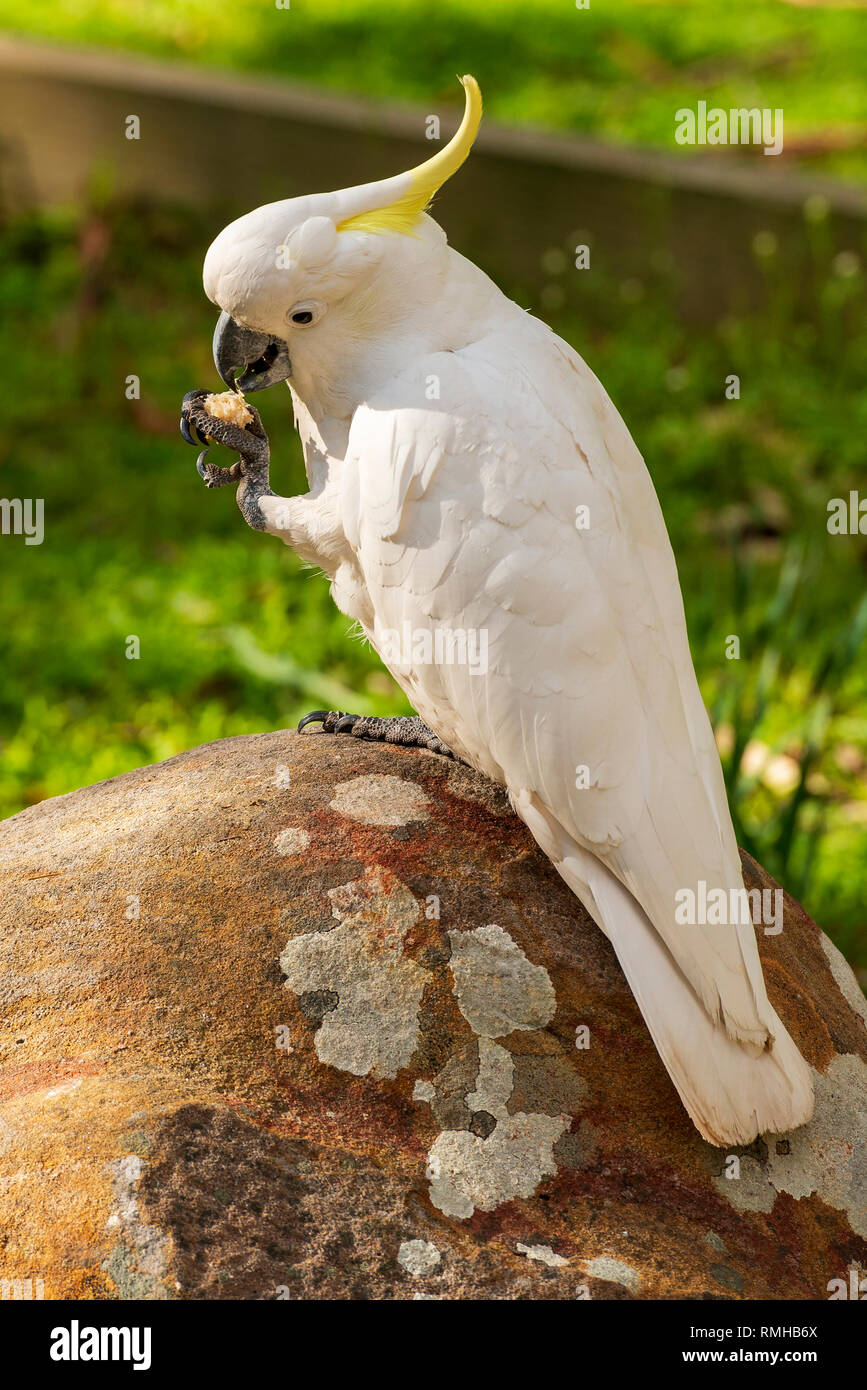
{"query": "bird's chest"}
(330, 523)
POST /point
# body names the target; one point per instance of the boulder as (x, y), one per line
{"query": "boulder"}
(300, 1016)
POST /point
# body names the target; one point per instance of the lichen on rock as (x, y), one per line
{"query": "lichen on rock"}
(373, 1027)
(496, 986)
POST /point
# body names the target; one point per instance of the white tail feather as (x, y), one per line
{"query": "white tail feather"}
(731, 1090)
(731, 1093)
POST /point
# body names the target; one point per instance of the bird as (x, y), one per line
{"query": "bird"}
(468, 474)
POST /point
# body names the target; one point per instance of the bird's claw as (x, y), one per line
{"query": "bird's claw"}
(185, 431)
(186, 405)
(333, 721)
(406, 731)
(250, 440)
(215, 476)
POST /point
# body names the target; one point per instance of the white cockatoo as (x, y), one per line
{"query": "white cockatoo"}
(469, 474)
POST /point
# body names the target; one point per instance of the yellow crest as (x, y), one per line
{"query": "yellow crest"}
(402, 215)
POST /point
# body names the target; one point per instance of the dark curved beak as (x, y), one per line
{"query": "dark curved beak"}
(246, 360)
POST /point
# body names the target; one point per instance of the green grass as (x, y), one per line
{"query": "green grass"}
(236, 636)
(619, 69)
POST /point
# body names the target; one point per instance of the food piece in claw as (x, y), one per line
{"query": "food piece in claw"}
(229, 406)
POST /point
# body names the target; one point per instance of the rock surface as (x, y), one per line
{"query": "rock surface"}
(296, 1016)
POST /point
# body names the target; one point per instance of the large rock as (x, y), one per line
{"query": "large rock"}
(297, 1016)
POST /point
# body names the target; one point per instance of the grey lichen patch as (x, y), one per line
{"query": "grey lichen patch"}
(292, 840)
(746, 1186)
(374, 1026)
(139, 1142)
(380, 800)
(844, 977)
(615, 1271)
(728, 1278)
(467, 1172)
(496, 986)
(828, 1156)
(137, 1263)
(418, 1257)
(131, 1283)
(492, 1148)
(483, 1164)
(494, 1081)
(543, 1253)
(716, 1243)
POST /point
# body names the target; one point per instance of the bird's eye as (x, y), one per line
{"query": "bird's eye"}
(308, 311)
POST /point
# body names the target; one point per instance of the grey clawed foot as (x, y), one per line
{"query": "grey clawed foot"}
(251, 443)
(406, 731)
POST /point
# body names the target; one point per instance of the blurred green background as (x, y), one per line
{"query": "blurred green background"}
(235, 634)
(617, 69)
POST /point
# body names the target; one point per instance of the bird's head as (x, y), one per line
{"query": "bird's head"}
(300, 280)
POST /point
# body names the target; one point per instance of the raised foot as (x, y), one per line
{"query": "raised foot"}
(198, 426)
(408, 731)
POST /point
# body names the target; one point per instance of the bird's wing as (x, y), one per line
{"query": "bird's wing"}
(464, 513)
